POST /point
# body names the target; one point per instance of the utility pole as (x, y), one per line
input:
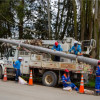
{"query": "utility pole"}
(52, 52)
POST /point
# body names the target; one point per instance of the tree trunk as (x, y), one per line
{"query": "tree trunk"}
(99, 29)
(49, 24)
(96, 28)
(75, 18)
(59, 25)
(56, 27)
(90, 19)
(21, 19)
(20, 30)
(82, 19)
(9, 31)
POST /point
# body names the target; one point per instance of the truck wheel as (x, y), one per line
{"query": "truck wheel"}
(49, 79)
(1, 72)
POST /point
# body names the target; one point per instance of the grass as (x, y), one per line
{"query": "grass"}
(36, 79)
(25, 78)
(90, 84)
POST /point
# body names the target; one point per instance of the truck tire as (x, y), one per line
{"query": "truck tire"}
(1, 75)
(49, 79)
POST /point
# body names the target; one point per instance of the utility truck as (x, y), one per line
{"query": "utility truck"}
(38, 58)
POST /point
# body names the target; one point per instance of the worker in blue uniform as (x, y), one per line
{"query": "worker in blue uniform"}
(76, 48)
(66, 80)
(97, 81)
(16, 66)
(57, 47)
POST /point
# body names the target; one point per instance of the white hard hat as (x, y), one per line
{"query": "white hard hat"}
(79, 43)
(19, 57)
(75, 42)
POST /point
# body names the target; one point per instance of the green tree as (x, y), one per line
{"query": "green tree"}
(6, 15)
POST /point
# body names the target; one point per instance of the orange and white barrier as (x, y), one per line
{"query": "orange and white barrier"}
(30, 79)
(5, 75)
(81, 90)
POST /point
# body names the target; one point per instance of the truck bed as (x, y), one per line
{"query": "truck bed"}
(60, 66)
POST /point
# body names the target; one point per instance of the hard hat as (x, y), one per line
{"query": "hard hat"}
(56, 43)
(79, 43)
(75, 42)
(99, 62)
(19, 57)
(66, 70)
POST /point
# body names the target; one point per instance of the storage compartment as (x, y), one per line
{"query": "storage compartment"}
(50, 64)
(35, 63)
(64, 65)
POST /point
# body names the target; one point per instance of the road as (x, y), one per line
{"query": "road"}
(14, 91)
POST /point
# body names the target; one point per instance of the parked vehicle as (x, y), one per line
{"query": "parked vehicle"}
(41, 63)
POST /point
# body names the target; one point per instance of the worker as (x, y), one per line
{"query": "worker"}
(66, 80)
(76, 48)
(57, 47)
(16, 66)
(97, 81)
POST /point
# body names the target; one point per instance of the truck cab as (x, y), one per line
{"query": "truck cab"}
(88, 46)
(11, 56)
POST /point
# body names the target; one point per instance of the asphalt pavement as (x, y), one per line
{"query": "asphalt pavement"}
(14, 91)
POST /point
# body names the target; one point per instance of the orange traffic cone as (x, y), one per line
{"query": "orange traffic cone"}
(30, 79)
(5, 75)
(81, 90)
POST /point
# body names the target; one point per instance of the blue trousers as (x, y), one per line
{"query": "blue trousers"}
(72, 85)
(97, 84)
(18, 73)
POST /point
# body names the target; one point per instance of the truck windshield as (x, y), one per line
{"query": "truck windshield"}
(12, 52)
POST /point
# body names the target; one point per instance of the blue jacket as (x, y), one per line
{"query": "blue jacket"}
(58, 48)
(76, 49)
(98, 71)
(17, 64)
(65, 79)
